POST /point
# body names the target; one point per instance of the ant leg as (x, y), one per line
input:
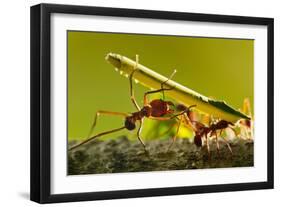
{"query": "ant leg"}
(100, 112)
(162, 84)
(208, 147)
(176, 134)
(132, 95)
(217, 143)
(167, 131)
(145, 99)
(138, 134)
(162, 118)
(228, 145)
(226, 142)
(94, 137)
(189, 122)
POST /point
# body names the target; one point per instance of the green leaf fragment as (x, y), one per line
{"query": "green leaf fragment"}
(151, 79)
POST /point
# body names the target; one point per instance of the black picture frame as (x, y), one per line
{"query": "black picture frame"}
(41, 98)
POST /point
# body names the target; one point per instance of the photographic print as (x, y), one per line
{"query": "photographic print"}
(146, 102)
(132, 103)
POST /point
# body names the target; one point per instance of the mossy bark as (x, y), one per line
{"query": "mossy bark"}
(122, 155)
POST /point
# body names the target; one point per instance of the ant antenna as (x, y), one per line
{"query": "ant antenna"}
(192, 106)
(184, 111)
(162, 84)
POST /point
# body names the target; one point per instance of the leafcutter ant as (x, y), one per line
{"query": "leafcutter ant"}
(155, 109)
(203, 131)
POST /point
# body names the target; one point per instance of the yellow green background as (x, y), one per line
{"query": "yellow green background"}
(215, 67)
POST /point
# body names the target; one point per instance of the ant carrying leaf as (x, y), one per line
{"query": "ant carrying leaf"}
(150, 78)
(155, 109)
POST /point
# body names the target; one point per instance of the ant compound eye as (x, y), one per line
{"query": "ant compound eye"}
(198, 140)
(130, 124)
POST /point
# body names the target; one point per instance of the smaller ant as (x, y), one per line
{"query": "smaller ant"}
(204, 131)
(155, 109)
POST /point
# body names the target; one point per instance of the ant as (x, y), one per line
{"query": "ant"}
(155, 109)
(203, 131)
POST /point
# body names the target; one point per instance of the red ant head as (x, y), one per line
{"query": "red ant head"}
(198, 140)
(223, 124)
(130, 123)
(181, 107)
(146, 111)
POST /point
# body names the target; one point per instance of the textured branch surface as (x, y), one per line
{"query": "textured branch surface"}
(122, 155)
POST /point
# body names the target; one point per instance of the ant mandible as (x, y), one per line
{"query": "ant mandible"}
(155, 109)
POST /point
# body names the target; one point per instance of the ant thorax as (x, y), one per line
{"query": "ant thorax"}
(146, 111)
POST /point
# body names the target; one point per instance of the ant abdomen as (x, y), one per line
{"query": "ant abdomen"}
(130, 123)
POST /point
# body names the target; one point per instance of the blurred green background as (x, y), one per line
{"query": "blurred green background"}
(215, 67)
